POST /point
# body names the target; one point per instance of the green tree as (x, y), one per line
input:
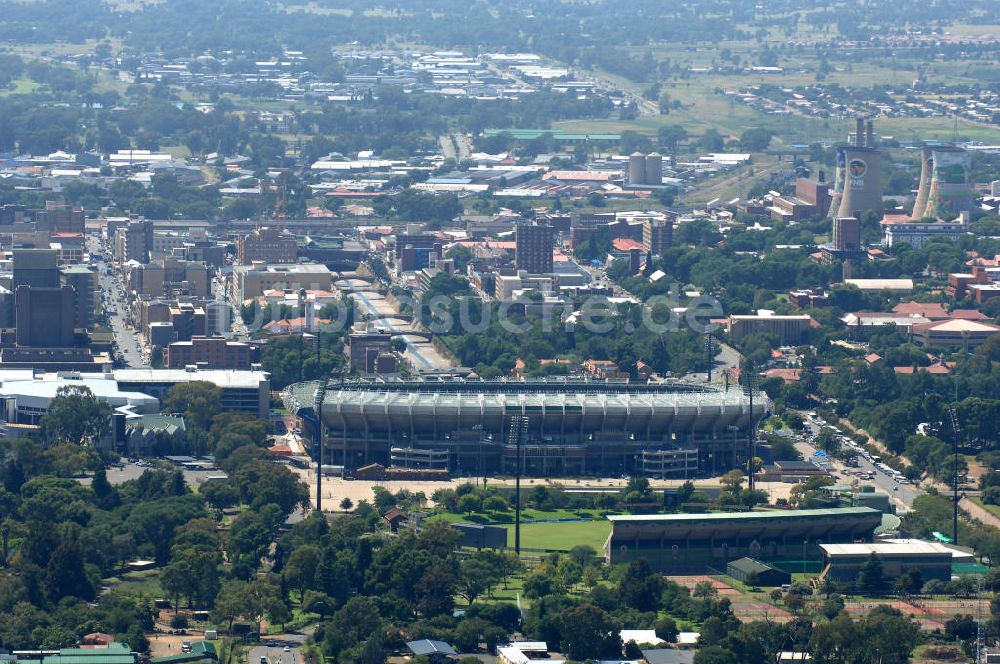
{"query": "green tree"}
(300, 570)
(75, 416)
(715, 655)
(666, 629)
(495, 503)
(671, 135)
(640, 589)
(220, 494)
(66, 576)
(198, 401)
(833, 606)
(104, 494)
(174, 581)
(476, 575)
(318, 602)
(870, 579)
(589, 633)
(469, 503)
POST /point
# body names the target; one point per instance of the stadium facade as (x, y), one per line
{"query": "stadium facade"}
(694, 543)
(574, 427)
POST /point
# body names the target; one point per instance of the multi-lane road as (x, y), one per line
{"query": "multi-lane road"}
(902, 495)
(112, 292)
(281, 649)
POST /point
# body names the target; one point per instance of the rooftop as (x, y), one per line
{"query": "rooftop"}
(960, 325)
(750, 565)
(881, 284)
(744, 516)
(430, 647)
(903, 547)
(231, 378)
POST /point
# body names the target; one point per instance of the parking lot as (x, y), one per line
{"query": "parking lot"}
(131, 471)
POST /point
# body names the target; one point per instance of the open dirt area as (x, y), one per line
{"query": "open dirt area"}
(336, 489)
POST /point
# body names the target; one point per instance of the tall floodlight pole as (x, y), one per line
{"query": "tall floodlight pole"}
(320, 395)
(956, 428)
(708, 357)
(748, 379)
(518, 430)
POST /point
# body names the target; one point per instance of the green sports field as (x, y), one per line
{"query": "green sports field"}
(561, 536)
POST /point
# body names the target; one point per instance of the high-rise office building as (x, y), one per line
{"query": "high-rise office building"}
(134, 242)
(45, 316)
(657, 235)
(83, 281)
(208, 353)
(35, 267)
(59, 217)
(846, 234)
(268, 245)
(533, 251)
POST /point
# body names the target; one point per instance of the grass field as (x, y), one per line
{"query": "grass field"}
(553, 536)
(145, 583)
(21, 86)
(561, 536)
(992, 509)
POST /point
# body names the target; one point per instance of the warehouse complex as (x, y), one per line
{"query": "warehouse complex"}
(694, 543)
(571, 427)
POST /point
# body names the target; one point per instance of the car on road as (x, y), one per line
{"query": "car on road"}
(288, 649)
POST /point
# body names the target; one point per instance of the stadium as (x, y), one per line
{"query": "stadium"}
(567, 427)
(683, 543)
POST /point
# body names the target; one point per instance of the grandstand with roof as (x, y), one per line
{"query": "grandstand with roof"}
(575, 427)
(693, 543)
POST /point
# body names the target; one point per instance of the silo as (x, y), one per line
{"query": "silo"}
(924, 188)
(862, 182)
(654, 168)
(950, 192)
(637, 168)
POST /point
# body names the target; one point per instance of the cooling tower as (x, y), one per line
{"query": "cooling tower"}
(837, 192)
(926, 168)
(654, 168)
(862, 189)
(637, 168)
(950, 191)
